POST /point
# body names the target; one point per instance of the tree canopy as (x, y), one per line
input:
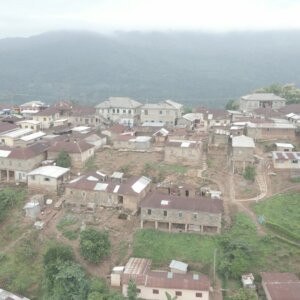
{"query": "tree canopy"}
(63, 159)
(94, 245)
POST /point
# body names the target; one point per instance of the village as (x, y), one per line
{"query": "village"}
(171, 186)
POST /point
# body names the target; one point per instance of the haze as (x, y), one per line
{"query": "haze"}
(18, 19)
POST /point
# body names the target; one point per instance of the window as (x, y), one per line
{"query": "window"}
(295, 161)
(114, 110)
(199, 295)
(118, 111)
(46, 179)
(195, 216)
(155, 292)
(160, 112)
(138, 291)
(31, 127)
(129, 111)
(165, 213)
(178, 293)
(45, 119)
(180, 214)
(124, 111)
(149, 212)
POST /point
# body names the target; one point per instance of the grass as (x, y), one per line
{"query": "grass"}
(90, 164)
(283, 210)
(269, 253)
(64, 227)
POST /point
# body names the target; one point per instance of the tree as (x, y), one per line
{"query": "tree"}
(94, 245)
(132, 290)
(249, 173)
(169, 297)
(232, 105)
(63, 159)
(244, 294)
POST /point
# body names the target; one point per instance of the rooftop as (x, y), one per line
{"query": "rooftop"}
(243, 142)
(49, 171)
(262, 97)
(119, 102)
(33, 136)
(17, 133)
(164, 201)
(283, 155)
(70, 146)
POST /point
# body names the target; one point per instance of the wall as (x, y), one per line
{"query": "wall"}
(147, 293)
(188, 155)
(39, 182)
(286, 164)
(271, 133)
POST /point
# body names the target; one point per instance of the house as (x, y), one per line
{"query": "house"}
(253, 101)
(286, 147)
(5, 295)
(271, 130)
(7, 127)
(183, 151)
(33, 106)
(86, 116)
(97, 140)
(47, 117)
(29, 139)
(167, 112)
(47, 178)
(122, 110)
(64, 107)
(161, 136)
(31, 124)
(79, 151)
(243, 148)
(153, 285)
(286, 160)
(280, 286)
(179, 213)
(99, 189)
(214, 117)
(15, 163)
(9, 138)
(192, 120)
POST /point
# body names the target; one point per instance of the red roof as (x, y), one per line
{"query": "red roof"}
(4, 127)
(28, 152)
(281, 286)
(81, 111)
(52, 110)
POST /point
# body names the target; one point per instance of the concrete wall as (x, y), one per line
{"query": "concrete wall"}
(286, 164)
(46, 121)
(167, 116)
(41, 182)
(182, 155)
(271, 133)
(147, 293)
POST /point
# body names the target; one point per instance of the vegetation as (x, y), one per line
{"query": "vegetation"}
(9, 198)
(249, 173)
(66, 226)
(132, 290)
(288, 91)
(63, 159)
(232, 105)
(90, 164)
(243, 294)
(94, 245)
(282, 213)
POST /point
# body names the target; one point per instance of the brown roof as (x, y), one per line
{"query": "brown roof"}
(117, 128)
(4, 127)
(82, 111)
(48, 111)
(78, 146)
(205, 204)
(267, 112)
(217, 113)
(282, 285)
(28, 152)
(291, 108)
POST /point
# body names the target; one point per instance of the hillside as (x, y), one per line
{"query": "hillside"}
(190, 67)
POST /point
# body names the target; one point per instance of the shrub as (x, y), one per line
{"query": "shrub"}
(249, 173)
(63, 159)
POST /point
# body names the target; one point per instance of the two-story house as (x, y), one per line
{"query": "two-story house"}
(181, 213)
(122, 110)
(167, 112)
(47, 117)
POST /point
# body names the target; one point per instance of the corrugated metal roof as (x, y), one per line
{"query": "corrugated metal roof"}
(49, 171)
(243, 141)
(178, 265)
(141, 184)
(17, 133)
(4, 153)
(100, 186)
(33, 136)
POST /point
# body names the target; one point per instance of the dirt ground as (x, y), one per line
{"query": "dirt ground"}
(245, 189)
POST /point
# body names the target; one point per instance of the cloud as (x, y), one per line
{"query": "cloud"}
(17, 19)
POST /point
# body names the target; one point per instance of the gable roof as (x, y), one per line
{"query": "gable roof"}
(52, 110)
(262, 97)
(24, 152)
(119, 102)
(49, 171)
(70, 146)
(164, 201)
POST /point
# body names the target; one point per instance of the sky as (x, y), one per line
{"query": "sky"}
(31, 17)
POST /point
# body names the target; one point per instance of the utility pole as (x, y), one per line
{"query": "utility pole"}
(215, 255)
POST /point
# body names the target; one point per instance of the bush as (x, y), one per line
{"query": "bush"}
(63, 159)
(249, 173)
(94, 245)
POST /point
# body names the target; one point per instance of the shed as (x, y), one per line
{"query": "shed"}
(32, 209)
(286, 147)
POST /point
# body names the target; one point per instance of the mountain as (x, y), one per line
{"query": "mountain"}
(194, 68)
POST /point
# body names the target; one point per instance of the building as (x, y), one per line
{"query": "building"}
(243, 148)
(122, 110)
(153, 285)
(99, 189)
(167, 112)
(31, 124)
(5, 295)
(286, 147)
(47, 178)
(9, 138)
(271, 131)
(266, 100)
(29, 139)
(32, 106)
(132, 142)
(179, 213)
(86, 116)
(192, 120)
(47, 117)
(79, 151)
(183, 151)
(281, 286)
(286, 160)
(15, 163)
